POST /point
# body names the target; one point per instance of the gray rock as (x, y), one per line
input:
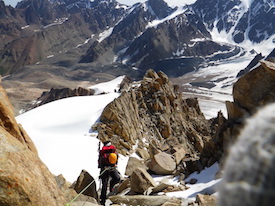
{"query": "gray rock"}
(249, 173)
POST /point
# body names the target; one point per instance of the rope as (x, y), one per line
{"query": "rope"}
(74, 199)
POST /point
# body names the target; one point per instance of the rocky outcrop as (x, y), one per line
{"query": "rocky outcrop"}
(24, 178)
(256, 89)
(253, 90)
(9, 124)
(55, 94)
(153, 116)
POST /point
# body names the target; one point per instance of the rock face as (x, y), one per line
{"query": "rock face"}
(24, 179)
(249, 173)
(8, 122)
(155, 117)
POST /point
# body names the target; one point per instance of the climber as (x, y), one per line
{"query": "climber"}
(107, 162)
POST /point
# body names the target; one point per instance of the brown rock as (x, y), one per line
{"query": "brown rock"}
(8, 122)
(143, 153)
(161, 186)
(143, 200)
(256, 88)
(123, 185)
(162, 164)
(83, 181)
(206, 200)
(154, 115)
(132, 164)
(252, 91)
(141, 180)
(24, 179)
(179, 154)
(55, 94)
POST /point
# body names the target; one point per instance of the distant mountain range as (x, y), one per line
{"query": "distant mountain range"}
(96, 34)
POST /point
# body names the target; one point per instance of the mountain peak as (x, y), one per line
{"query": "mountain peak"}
(160, 8)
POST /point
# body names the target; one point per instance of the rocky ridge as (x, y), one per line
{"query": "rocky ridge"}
(56, 94)
(154, 116)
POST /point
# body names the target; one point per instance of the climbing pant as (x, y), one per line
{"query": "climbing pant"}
(113, 173)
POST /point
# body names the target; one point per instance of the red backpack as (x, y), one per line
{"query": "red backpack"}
(104, 156)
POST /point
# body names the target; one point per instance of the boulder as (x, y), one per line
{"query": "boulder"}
(125, 184)
(162, 164)
(141, 180)
(144, 200)
(132, 164)
(179, 154)
(83, 181)
(143, 153)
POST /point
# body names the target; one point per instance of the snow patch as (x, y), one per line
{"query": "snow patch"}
(107, 87)
(25, 27)
(206, 184)
(105, 34)
(50, 56)
(155, 23)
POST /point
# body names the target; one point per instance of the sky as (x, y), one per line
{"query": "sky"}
(127, 2)
(61, 132)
